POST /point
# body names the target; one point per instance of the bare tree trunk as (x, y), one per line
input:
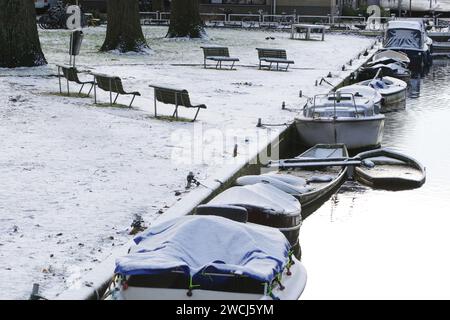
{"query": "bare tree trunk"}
(19, 38)
(124, 31)
(185, 19)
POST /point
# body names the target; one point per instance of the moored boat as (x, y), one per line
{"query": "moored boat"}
(265, 205)
(340, 119)
(393, 69)
(409, 37)
(208, 258)
(310, 185)
(390, 56)
(364, 92)
(393, 90)
(390, 170)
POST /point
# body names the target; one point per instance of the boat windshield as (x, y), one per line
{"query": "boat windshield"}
(403, 38)
(346, 107)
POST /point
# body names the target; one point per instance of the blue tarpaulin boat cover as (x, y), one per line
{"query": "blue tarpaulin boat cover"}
(195, 244)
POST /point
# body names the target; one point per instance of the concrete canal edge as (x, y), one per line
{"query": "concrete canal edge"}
(92, 285)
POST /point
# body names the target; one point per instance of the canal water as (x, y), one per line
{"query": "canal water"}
(372, 244)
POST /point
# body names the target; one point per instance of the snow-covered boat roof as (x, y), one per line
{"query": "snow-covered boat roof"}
(197, 244)
(359, 90)
(406, 24)
(268, 199)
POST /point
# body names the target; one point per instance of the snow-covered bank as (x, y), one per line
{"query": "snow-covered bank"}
(75, 175)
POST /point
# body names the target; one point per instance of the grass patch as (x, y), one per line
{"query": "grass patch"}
(170, 119)
(108, 105)
(64, 94)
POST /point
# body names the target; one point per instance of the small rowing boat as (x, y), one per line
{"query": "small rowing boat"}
(389, 170)
(393, 90)
(310, 185)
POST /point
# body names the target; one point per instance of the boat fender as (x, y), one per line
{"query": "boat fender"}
(368, 163)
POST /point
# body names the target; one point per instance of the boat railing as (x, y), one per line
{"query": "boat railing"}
(336, 97)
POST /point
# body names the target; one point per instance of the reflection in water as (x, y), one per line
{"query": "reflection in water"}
(366, 243)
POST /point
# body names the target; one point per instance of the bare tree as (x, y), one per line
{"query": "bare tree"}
(124, 31)
(19, 38)
(185, 19)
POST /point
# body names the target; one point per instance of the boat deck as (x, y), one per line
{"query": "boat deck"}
(308, 175)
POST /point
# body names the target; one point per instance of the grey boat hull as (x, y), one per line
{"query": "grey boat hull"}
(355, 133)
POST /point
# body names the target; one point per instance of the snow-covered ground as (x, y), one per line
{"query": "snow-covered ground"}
(74, 175)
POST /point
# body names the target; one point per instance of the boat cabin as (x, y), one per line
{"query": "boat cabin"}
(345, 105)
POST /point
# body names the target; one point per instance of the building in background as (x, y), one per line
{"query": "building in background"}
(305, 7)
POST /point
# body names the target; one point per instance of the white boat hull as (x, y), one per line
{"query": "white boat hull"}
(394, 98)
(294, 285)
(355, 133)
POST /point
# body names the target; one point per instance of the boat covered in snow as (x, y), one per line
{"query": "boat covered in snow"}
(265, 205)
(299, 177)
(390, 170)
(393, 90)
(393, 69)
(364, 92)
(390, 56)
(338, 118)
(208, 258)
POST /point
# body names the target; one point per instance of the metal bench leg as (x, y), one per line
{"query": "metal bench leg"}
(270, 67)
(176, 106)
(232, 65)
(204, 62)
(90, 90)
(59, 79)
(115, 100)
(156, 111)
(95, 92)
(110, 92)
(82, 86)
(259, 64)
(217, 65)
(132, 100)
(175, 113)
(195, 118)
(68, 88)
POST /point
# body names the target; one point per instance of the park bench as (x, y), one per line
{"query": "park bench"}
(271, 56)
(71, 75)
(219, 55)
(112, 85)
(174, 97)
